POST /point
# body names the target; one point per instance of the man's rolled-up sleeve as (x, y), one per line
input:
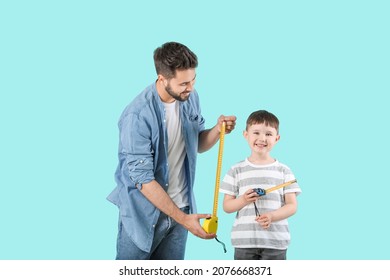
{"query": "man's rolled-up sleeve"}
(137, 151)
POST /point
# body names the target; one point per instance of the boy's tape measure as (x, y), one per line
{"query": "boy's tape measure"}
(262, 192)
(210, 225)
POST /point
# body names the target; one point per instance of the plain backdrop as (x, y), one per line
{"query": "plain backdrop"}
(68, 69)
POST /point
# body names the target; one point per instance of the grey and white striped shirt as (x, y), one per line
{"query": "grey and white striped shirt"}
(246, 232)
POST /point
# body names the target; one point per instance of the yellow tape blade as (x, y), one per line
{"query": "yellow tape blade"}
(219, 166)
(280, 186)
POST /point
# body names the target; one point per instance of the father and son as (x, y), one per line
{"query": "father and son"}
(161, 132)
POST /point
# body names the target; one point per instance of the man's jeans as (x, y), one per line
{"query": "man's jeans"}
(169, 241)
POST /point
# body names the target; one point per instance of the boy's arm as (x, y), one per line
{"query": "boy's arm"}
(232, 204)
(288, 209)
(284, 212)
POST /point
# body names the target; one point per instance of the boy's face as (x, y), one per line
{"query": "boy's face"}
(261, 138)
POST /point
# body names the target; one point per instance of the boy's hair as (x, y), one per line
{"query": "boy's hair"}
(172, 56)
(263, 117)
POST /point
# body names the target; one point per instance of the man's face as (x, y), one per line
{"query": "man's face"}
(181, 85)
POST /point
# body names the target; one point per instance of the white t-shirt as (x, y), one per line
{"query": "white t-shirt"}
(177, 188)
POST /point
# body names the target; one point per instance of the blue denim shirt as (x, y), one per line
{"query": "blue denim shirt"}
(143, 157)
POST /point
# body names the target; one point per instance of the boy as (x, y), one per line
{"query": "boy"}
(264, 235)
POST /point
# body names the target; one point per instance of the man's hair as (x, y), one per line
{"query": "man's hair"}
(263, 117)
(173, 56)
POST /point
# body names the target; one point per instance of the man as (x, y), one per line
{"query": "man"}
(161, 131)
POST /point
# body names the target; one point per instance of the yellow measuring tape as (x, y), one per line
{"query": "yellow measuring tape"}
(210, 225)
(280, 186)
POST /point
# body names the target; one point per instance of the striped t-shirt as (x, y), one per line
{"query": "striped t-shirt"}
(246, 232)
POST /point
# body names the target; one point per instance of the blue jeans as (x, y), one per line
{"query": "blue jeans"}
(168, 244)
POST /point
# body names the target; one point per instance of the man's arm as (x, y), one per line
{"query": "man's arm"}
(208, 137)
(159, 198)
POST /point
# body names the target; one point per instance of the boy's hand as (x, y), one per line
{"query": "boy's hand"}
(264, 220)
(250, 196)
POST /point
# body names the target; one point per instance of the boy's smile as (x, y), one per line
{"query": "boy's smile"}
(261, 139)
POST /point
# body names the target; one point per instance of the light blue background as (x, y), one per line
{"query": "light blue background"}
(68, 68)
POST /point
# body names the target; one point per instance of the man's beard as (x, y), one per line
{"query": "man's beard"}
(177, 96)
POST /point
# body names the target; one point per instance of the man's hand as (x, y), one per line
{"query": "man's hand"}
(230, 123)
(191, 223)
(208, 137)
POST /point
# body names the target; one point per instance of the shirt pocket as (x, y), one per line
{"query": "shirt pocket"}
(193, 118)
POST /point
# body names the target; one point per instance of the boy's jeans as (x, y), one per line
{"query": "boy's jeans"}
(169, 241)
(259, 254)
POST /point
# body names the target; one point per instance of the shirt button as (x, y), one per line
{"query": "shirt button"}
(166, 185)
(154, 225)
